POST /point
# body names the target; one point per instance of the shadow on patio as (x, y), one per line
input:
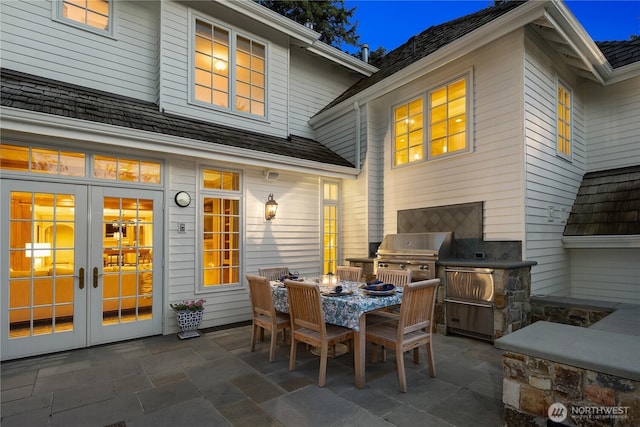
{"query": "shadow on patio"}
(215, 380)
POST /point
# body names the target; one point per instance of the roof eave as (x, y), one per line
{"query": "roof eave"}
(28, 122)
(322, 49)
(493, 30)
(601, 241)
(568, 27)
(301, 35)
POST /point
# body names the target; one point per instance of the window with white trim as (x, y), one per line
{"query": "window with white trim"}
(330, 202)
(408, 135)
(448, 119)
(229, 69)
(564, 144)
(95, 14)
(446, 123)
(220, 196)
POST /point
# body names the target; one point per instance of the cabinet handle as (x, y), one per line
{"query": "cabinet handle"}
(81, 277)
(95, 277)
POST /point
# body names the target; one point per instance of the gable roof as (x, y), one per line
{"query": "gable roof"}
(425, 43)
(434, 38)
(608, 203)
(28, 92)
(620, 53)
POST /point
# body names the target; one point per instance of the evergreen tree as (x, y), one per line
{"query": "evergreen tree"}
(328, 17)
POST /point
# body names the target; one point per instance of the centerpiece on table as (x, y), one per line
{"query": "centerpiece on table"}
(189, 315)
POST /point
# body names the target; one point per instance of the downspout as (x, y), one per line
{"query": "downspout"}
(356, 107)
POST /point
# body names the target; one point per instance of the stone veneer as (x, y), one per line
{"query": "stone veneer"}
(511, 305)
(532, 384)
(569, 311)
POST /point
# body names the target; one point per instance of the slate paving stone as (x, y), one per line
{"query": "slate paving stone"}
(257, 387)
(81, 396)
(167, 395)
(193, 412)
(247, 413)
(215, 380)
(99, 413)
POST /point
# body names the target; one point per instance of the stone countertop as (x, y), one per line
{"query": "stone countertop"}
(360, 259)
(588, 348)
(485, 263)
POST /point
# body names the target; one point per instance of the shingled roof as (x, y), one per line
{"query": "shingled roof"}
(427, 42)
(620, 53)
(33, 93)
(608, 203)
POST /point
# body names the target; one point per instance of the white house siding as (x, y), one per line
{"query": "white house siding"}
(373, 169)
(355, 217)
(357, 196)
(176, 69)
(551, 182)
(126, 64)
(612, 124)
(291, 239)
(606, 274)
(492, 172)
(313, 83)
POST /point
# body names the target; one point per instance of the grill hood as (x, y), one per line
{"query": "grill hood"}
(416, 245)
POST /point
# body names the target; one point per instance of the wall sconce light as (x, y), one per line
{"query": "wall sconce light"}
(270, 208)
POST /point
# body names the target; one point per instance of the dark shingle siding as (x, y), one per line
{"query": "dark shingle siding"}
(608, 203)
(33, 93)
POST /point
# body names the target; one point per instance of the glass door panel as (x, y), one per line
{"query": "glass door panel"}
(42, 292)
(127, 293)
(125, 301)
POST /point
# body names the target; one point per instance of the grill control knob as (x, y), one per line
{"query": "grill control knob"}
(424, 267)
(401, 266)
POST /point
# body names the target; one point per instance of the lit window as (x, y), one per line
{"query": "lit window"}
(41, 160)
(123, 169)
(94, 13)
(221, 228)
(408, 137)
(564, 121)
(212, 62)
(330, 227)
(448, 119)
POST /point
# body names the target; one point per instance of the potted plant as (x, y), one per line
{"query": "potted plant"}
(189, 315)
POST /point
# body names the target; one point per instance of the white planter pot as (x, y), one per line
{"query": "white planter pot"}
(189, 321)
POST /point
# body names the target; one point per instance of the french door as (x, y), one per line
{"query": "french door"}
(81, 267)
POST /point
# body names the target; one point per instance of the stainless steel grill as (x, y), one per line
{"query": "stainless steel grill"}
(469, 301)
(417, 252)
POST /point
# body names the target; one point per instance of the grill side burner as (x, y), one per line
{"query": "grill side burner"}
(417, 252)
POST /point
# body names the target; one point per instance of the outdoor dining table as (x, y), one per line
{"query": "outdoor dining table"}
(345, 310)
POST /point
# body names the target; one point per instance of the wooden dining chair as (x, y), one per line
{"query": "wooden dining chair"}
(411, 330)
(273, 273)
(349, 274)
(265, 315)
(399, 278)
(308, 324)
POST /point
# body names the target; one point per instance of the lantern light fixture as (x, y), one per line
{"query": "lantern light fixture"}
(270, 208)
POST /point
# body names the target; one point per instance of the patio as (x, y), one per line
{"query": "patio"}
(215, 380)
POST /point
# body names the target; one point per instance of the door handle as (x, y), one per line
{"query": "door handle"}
(81, 277)
(95, 277)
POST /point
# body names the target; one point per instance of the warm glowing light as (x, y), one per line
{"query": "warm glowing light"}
(37, 250)
(220, 65)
